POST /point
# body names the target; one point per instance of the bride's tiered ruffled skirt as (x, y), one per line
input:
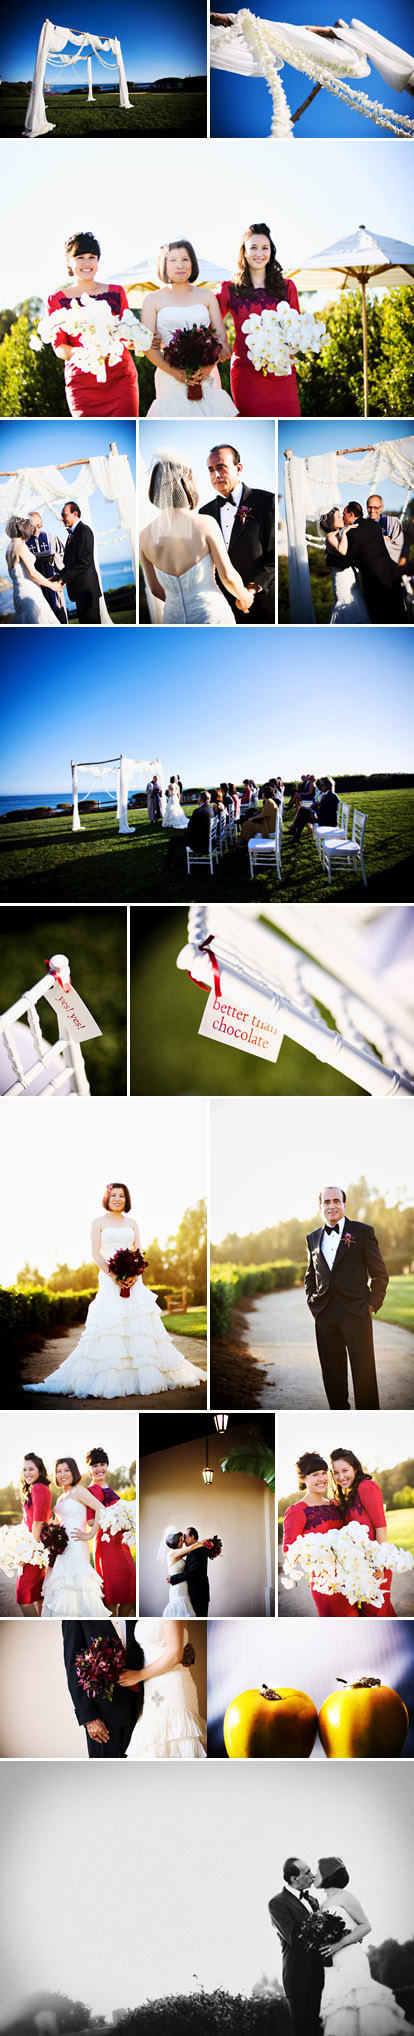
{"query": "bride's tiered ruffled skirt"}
(170, 1727)
(124, 1350)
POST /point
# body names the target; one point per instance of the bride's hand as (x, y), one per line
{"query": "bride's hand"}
(129, 1678)
(78, 1534)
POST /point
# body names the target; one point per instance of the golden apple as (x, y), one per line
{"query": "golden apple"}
(270, 1724)
(366, 1721)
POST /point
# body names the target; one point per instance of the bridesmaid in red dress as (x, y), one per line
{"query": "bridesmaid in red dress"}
(258, 285)
(118, 395)
(316, 1514)
(113, 1559)
(35, 1491)
(360, 1498)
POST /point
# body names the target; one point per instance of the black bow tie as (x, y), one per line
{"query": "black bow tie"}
(306, 1897)
(229, 499)
(329, 1230)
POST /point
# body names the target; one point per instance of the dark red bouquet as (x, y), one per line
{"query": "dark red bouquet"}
(214, 1547)
(55, 1539)
(192, 348)
(320, 1932)
(126, 1265)
(99, 1667)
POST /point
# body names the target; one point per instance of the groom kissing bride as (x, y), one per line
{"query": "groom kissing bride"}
(187, 1559)
(326, 1973)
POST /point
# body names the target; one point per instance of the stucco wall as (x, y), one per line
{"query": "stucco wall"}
(238, 1508)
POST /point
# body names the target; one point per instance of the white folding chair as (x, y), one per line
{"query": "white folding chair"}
(222, 831)
(28, 1064)
(231, 829)
(338, 833)
(210, 855)
(264, 852)
(348, 853)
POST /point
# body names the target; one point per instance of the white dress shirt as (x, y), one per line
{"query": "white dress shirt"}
(329, 1245)
(303, 1897)
(120, 1629)
(228, 512)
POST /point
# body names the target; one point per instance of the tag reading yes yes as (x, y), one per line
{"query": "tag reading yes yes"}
(76, 1020)
(232, 1025)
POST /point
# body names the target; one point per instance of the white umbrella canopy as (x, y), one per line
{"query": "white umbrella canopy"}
(144, 277)
(364, 258)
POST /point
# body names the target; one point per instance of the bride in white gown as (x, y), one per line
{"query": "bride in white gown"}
(349, 600)
(174, 815)
(124, 1347)
(173, 1553)
(178, 304)
(28, 595)
(353, 2004)
(170, 1727)
(181, 552)
(72, 1589)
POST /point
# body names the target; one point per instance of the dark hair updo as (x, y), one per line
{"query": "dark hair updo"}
(109, 1191)
(80, 243)
(328, 522)
(310, 1461)
(162, 258)
(96, 1456)
(173, 1540)
(333, 1873)
(275, 281)
(183, 487)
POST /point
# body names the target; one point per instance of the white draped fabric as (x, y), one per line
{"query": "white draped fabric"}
(51, 47)
(312, 487)
(46, 487)
(89, 69)
(121, 773)
(256, 48)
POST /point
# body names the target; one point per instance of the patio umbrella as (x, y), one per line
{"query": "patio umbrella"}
(144, 277)
(365, 258)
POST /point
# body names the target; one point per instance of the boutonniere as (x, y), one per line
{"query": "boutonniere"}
(243, 512)
(348, 1239)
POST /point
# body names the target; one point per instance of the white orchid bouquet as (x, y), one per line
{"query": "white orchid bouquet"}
(274, 338)
(18, 1547)
(102, 334)
(345, 1561)
(119, 1519)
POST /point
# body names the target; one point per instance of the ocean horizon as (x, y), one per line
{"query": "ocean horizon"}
(112, 575)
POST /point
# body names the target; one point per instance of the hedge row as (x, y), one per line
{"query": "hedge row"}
(24, 1309)
(233, 1283)
(163, 1289)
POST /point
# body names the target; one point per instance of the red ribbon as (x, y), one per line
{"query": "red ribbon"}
(58, 979)
(206, 948)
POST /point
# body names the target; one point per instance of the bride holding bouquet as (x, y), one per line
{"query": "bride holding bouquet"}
(189, 339)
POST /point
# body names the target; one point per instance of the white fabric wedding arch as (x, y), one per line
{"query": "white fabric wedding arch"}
(311, 487)
(48, 488)
(51, 50)
(257, 48)
(114, 774)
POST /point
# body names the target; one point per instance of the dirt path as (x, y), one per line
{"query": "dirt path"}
(37, 1364)
(282, 1341)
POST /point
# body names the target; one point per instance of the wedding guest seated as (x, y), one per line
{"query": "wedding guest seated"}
(264, 822)
(277, 789)
(323, 809)
(235, 796)
(217, 802)
(197, 833)
(304, 790)
(246, 794)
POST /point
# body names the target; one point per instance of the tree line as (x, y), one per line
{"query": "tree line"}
(394, 1228)
(182, 1262)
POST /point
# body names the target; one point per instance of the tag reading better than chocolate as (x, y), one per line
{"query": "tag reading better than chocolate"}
(75, 1019)
(233, 1025)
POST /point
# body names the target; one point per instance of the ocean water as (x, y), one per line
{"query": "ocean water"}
(112, 575)
(10, 802)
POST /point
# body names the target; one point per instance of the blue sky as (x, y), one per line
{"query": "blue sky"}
(208, 705)
(312, 196)
(253, 440)
(243, 106)
(156, 42)
(305, 439)
(38, 443)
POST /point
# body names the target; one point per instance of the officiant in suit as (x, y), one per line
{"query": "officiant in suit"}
(247, 521)
(302, 1968)
(345, 1284)
(363, 546)
(79, 570)
(108, 1725)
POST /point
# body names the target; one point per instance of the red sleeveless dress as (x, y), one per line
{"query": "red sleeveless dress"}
(368, 1509)
(306, 1519)
(118, 396)
(113, 1560)
(255, 394)
(38, 1507)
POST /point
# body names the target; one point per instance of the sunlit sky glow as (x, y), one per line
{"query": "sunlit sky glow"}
(380, 1440)
(336, 1145)
(49, 1433)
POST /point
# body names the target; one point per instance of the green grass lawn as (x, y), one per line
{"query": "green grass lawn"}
(37, 855)
(194, 1323)
(398, 1306)
(166, 113)
(401, 1528)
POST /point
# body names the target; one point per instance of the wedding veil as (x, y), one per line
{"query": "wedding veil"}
(164, 1553)
(171, 486)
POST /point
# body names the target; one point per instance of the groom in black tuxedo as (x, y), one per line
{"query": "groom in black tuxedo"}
(366, 549)
(79, 570)
(303, 1970)
(246, 517)
(345, 1283)
(196, 1573)
(108, 1725)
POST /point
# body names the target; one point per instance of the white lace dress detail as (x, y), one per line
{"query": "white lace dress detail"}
(170, 1727)
(124, 1348)
(72, 1589)
(172, 397)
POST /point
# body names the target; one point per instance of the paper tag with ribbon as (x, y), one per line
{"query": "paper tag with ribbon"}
(234, 1025)
(76, 1021)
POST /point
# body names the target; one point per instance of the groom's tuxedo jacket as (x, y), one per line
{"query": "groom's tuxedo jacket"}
(196, 1572)
(79, 572)
(301, 1969)
(121, 1715)
(347, 1283)
(251, 549)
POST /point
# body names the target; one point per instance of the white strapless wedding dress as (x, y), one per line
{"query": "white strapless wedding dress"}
(124, 1347)
(171, 396)
(170, 1727)
(29, 601)
(72, 1589)
(174, 815)
(354, 2004)
(179, 1601)
(350, 604)
(194, 596)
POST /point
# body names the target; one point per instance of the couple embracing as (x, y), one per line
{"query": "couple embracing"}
(326, 1973)
(216, 564)
(151, 1711)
